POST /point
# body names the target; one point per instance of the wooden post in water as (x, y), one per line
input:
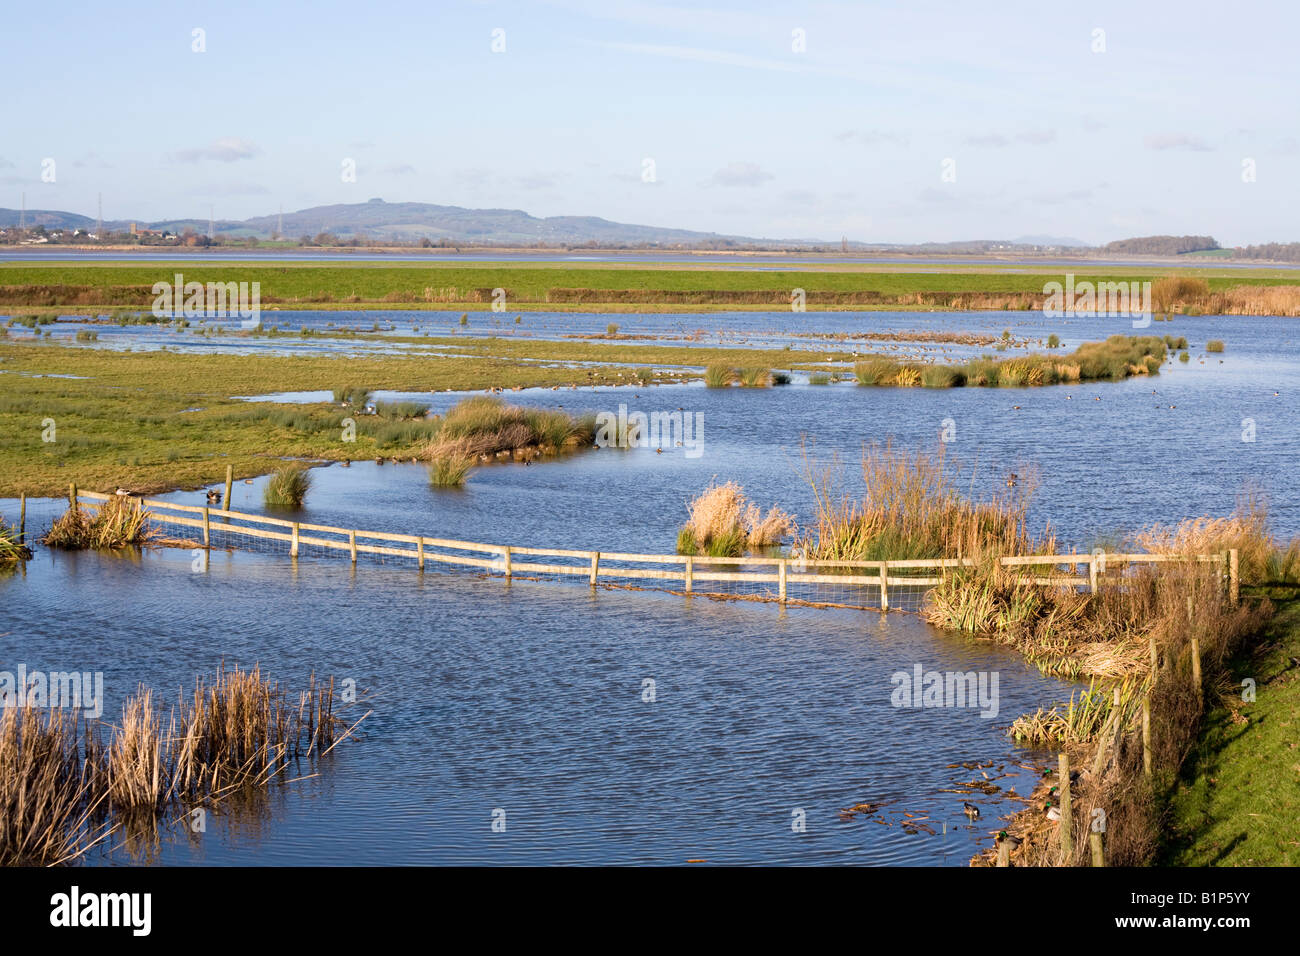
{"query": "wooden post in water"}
(595, 566)
(207, 531)
(293, 543)
(72, 496)
(22, 518)
(1098, 856)
(1004, 853)
(884, 585)
(780, 575)
(1146, 735)
(505, 560)
(419, 552)
(1234, 577)
(690, 574)
(1067, 815)
(352, 545)
(230, 480)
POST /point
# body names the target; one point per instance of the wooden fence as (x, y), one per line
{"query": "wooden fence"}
(688, 571)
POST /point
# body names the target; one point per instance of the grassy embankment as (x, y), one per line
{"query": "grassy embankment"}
(618, 286)
(1237, 801)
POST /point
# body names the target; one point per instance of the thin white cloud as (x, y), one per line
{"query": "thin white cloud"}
(702, 55)
(228, 149)
(1177, 141)
(740, 174)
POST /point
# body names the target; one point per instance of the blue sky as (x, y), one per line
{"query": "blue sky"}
(747, 135)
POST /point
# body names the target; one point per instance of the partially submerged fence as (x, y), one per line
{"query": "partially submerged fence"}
(870, 585)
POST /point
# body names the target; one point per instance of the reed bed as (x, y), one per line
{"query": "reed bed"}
(723, 522)
(117, 523)
(62, 791)
(911, 507)
(287, 487)
(352, 395)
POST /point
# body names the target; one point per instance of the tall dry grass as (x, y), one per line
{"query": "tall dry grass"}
(723, 522)
(61, 791)
(116, 523)
(910, 506)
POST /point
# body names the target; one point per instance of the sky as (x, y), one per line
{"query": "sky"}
(882, 122)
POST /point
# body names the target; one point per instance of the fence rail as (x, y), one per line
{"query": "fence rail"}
(867, 578)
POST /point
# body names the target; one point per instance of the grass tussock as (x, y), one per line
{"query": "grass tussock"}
(719, 376)
(449, 471)
(722, 522)
(11, 549)
(116, 523)
(352, 395)
(287, 487)
(1214, 345)
(754, 377)
(910, 507)
(484, 425)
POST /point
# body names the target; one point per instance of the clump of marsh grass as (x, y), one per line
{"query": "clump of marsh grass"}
(819, 378)
(10, 547)
(116, 523)
(1053, 341)
(876, 372)
(1260, 558)
(352, 395)
(1169, 293)
(484, 425)
(401, 410)
(910, 507)
(941, 376)
(1184, 357)
(449, 471)
(718, 376)
(754, 377)
(287, 487)
(1214, 345)
(722, 522)
(49, 787)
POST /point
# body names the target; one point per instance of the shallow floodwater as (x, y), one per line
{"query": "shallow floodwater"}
(528, 697)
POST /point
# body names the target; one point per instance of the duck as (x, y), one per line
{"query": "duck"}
(213, 496)
(1012, 479)
(345, 463)
(1005, 837)
(122, 492)
(972, 812)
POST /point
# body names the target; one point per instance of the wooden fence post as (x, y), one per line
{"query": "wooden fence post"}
(22, 518)
(780, 575)
(1196, 668)
(352, 545)
(1155, 657)
(1004, 853)
(230, 480)
(1092, 574)
(505, 561)
(595, 566)
(207, 530)
(1098, 856)
(884, 585)
(419, 552)
(1067, 815)
(1146, 735)
(1234, 578)
(293, 543)
(690, 574)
